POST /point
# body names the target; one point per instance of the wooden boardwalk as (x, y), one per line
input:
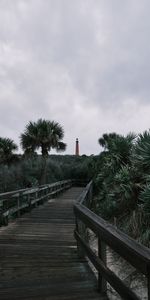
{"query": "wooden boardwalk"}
(38, 255)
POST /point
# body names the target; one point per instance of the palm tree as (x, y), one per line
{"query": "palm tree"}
(106, 138)
(142, 152)
(7, 146)
(44, 135)
(117, 146)
(115, 179)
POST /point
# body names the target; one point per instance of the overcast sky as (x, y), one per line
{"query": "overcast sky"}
(82, 63)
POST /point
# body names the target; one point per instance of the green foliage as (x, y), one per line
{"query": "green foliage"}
(144, 237)
(121, 172)
(116, 192)
(42, 134)
(145, 199)
(106, 139)
(122, 183)
(27, 171)
(141, 154)
(7, 148)
(107, 208)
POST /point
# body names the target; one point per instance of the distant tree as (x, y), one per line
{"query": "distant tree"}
(44, 135)
(7, 147)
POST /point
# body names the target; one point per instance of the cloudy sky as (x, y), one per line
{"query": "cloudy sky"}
(82, 63)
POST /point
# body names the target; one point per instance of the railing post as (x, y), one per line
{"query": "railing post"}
(79, 229)
(90, 196)
(102, 284)
(5, 218)
(36, 197)
(29, 202)
(18, 204)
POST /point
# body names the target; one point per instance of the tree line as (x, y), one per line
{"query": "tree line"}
(31, 169)
(121, 172)
(43, 134)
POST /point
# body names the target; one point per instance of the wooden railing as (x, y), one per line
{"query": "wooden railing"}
(13, 203)
(136, 254)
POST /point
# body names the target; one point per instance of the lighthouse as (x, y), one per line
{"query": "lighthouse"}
(77, 148)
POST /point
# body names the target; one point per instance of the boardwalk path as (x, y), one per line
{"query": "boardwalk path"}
(38, 255)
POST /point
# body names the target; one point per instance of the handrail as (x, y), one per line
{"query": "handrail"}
(15, 202)
(137, 255)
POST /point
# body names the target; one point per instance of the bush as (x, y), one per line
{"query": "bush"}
(27, 171)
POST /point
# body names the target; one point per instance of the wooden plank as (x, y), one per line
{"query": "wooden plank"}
(38, 255)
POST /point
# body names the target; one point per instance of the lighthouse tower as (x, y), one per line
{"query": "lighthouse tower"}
(77, 148)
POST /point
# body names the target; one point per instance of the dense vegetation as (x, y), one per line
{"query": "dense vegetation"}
(32, 169)
(121, 172)
(27, 172)
(123, 183)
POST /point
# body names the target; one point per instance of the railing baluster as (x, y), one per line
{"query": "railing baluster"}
(79, 228)
(90, 196)
(102, 284)
(18, 204)
(29, 201)
(36, 197)
(13, 201)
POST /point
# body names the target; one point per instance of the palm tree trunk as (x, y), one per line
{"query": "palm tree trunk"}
(44, 168)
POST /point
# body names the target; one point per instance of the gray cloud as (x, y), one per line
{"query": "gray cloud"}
(82, 63)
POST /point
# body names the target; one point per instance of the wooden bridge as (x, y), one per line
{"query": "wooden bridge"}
(39, 256)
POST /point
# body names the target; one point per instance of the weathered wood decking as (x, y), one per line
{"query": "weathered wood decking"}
(38, 255)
